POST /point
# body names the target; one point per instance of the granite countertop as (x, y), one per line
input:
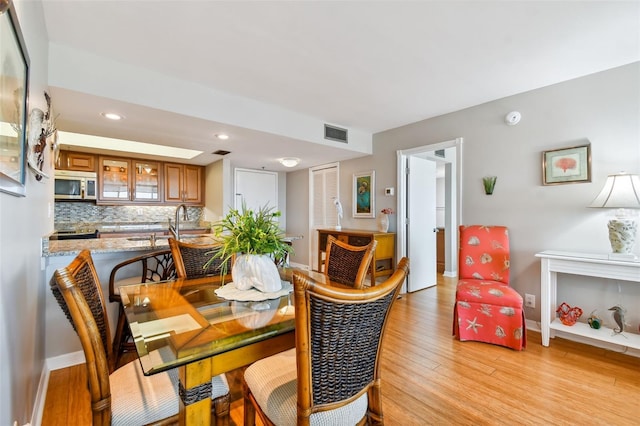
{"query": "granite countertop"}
(111, 245)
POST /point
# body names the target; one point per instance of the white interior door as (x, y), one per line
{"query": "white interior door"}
(323, 187)
(421, 228)
(256, 188)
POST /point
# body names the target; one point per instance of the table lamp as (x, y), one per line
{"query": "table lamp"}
(621, 192)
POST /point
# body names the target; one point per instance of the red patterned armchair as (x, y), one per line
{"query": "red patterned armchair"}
(486, 308)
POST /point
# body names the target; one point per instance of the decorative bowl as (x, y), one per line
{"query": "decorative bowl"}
(567, 314)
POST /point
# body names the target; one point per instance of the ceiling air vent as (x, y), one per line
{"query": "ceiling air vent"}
(335, 133)
(221, 152)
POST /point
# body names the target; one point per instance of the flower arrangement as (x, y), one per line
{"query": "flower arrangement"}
(247, 232)
(388, 210)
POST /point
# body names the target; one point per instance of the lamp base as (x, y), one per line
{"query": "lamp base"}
(622, 235)
(623, 256)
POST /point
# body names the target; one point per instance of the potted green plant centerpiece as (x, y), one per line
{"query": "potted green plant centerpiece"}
(256, 240)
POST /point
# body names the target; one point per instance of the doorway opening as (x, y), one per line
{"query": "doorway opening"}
(423, 256)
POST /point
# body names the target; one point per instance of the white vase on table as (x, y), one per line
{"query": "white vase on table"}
(383, 222)
(257, 271)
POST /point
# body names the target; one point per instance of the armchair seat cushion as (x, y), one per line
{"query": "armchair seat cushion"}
(137, 399)
(487, 292)
(274, 386)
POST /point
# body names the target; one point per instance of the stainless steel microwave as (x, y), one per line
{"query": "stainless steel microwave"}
(72, 185)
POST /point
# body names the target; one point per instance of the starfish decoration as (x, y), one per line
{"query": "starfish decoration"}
(474, 325)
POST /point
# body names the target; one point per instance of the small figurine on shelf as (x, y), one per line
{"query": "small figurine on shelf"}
(618, 317)
(594, 321)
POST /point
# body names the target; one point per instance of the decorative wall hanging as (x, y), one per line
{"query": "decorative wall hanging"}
(14, 86)
(364, 190)
(567, 165)
(489, 182)
(41, 127)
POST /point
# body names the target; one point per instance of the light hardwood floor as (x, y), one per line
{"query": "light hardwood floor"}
(429, 378)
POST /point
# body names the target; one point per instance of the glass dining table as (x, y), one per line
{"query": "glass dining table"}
(184, 324)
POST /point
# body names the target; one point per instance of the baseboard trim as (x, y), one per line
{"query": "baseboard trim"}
(41, 396)
(65, 360)
(300, 266)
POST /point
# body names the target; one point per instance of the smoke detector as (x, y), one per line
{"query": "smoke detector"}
(512, 118)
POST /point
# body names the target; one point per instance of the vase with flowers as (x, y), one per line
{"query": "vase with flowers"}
(256, 240)
(383, 222)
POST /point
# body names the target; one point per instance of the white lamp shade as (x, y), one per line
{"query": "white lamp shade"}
(621, 191)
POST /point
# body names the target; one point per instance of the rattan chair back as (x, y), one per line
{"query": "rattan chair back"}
(190, 259)
(338, 337)
(149, 267)
(346, 263)
(83, 273)
(77, 291)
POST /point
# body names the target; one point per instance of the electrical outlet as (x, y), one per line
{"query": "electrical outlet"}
(140, 211)
(529, 300)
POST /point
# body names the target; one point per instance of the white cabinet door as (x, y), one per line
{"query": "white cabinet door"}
(257, 188)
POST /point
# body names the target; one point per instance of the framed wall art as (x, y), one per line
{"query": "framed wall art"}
(14, 84)
(364, 194)
(567, 165)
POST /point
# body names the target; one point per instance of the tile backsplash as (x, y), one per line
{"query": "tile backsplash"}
(70, 214)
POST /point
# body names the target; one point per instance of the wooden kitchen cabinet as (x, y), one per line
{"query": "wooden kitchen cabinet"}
(383, 262)
(78, 161)
(124, 181)
(183, 183)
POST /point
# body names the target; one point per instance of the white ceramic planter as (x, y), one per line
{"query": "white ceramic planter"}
(256, 271)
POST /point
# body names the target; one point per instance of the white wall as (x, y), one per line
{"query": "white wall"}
(23, 221)
(603, 109)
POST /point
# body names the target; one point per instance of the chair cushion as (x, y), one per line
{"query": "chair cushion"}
(137, 399)
(487, 292)
(273, 384)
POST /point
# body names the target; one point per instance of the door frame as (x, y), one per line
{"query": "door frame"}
(453, 212)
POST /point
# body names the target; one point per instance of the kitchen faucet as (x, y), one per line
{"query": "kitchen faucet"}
(175, 230)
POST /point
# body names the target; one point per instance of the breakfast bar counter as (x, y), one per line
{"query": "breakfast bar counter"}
(111, 245)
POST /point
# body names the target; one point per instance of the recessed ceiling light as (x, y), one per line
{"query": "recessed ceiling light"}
(112, 116)
(222, 136)
(289, 161)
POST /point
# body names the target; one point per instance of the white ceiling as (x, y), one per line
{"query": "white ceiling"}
(365, 65)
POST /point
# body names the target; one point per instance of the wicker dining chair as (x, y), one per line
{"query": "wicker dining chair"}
(346, 263)
(149, 267)
(123, 396)
(332, 376)
(190, 259)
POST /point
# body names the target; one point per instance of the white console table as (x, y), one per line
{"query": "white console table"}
(585, 264)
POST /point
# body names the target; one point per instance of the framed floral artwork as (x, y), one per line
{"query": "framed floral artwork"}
(364, 190)
(567, 165)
